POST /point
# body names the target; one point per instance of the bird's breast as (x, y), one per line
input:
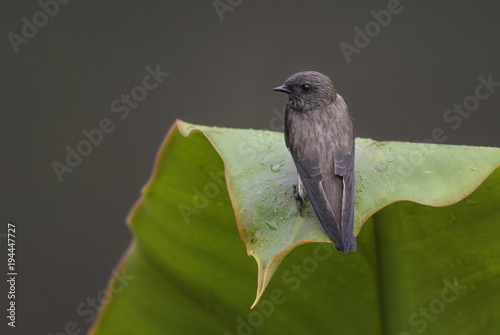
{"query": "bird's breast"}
(318, 132)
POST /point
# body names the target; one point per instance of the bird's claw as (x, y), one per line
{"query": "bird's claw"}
(297, 197)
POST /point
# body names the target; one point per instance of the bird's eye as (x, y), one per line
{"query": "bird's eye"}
(305, 88)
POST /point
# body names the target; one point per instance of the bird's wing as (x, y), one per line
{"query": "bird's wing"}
(344, 167)
(323, 187)
(320, 187)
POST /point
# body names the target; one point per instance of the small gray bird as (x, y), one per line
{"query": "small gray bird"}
(320, 137)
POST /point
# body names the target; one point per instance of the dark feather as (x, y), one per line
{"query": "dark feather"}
(319, 134)
(331, 195)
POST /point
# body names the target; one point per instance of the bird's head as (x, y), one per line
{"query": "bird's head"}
(308, 90)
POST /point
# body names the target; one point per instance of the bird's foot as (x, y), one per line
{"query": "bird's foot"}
(297, 197)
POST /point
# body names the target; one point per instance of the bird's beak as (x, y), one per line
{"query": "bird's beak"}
(282, 89)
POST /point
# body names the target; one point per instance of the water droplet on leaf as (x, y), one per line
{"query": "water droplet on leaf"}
(272, 225)
(276, 167)
(381, 167)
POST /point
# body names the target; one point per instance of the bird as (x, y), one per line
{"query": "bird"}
(320, 137)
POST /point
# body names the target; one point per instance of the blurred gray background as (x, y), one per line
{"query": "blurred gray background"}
(222, 68)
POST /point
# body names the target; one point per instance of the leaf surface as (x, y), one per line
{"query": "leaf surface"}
(189, 263)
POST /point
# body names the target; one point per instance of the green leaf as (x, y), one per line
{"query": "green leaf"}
(191, 275)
